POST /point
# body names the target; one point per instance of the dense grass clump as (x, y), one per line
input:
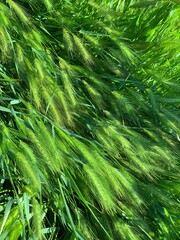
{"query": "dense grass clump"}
(89, 120)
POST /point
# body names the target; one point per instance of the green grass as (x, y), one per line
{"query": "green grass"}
(89, 120)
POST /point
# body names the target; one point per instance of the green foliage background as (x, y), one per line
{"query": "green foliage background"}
(89, 119)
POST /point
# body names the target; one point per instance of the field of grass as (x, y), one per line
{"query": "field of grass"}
(89, 120)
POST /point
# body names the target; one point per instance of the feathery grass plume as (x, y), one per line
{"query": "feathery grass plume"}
(90, 89)
(68, 41)
(93, 40)
(94, 164)
(39, 68)
(165, 155)
(69, 145)
(16, 232)
(68, 87)
(127, 52)
(29, 171)
(138, 165)
(37, 219)
(113, 179)
(66, 79)
(35, 89)
(124, 229)
(86, 152)
(124, 103)
(94, 170)
(48, 4)
(37, 144)
(110, 64)
(92, 78)
(19, 11)
(118, 180)
(38, 36)
(4, 15)
(82, 50)
(20, 54)
(47, 155)
(61, 99)
(98, 82)
(94, 94)
(102, 192)
(110, 146)
(12, 217)
(129, 150)
(127, 182)
(29, 152)
(34, 40)
(4, 46)
(51, 107)
(57, 160)
(28, 65)
(66, 66)
(20, 58)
